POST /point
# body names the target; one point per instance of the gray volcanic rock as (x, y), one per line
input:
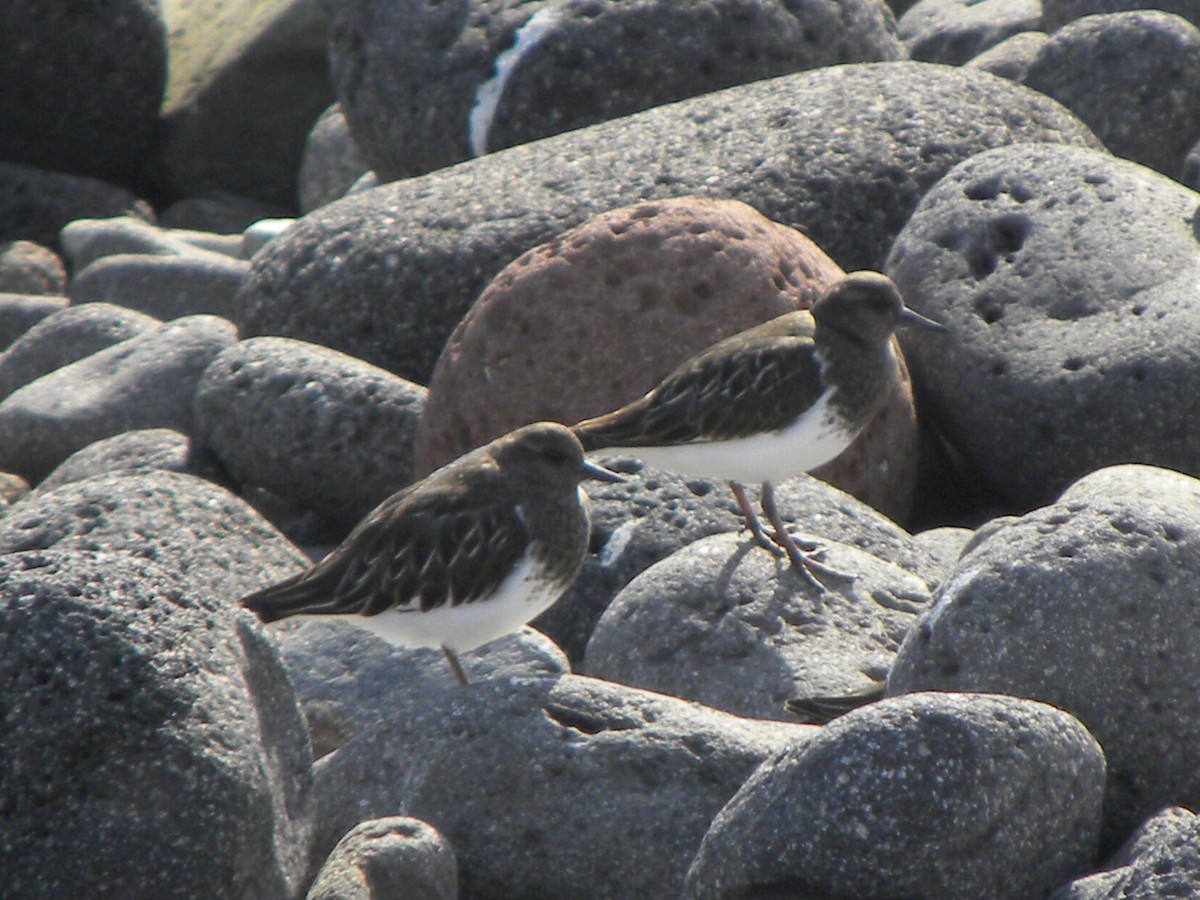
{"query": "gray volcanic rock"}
(654, 513)
(84, 80)
(21, 312)
(212, 541)
(35, 204)
(29, 268)
(388, 858)
(349, 681)
(332, 161)
(567, 787)
(1132, 77)
(1159, 860)
(1087, 604)
(938, 796)
(1073, 332)
(954, 31)
(134, 451)
(481, 75)
(312, 425)
(725, 623)
(164, 286)
(65, 336)
(86, 240)
(152, 746)
(143, 382)
(1012, 57)
(1057, 13)
(386, 275)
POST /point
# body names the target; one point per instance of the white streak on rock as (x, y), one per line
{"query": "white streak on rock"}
(615, 546)
(487, 97)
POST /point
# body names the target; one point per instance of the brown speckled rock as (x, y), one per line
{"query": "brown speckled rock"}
(597, 316)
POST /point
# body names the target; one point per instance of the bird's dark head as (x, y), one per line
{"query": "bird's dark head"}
(547, 450)
(867, 305)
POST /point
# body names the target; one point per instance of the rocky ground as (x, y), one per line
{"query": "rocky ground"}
(237, 314)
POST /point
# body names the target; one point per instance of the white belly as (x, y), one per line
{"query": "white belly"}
(519, 599)
(810, 441)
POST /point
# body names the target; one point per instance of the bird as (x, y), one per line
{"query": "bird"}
(771, 402)
(471, 552)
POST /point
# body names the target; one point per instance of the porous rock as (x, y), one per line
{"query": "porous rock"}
(135, 451)
(310, 424)
(479, 76)
(1057, 13)
(730, 625)
(938, 796)
(209, 539)
(65, 335)
(954, 31)
(1087, 604)
(1012, 57)
(388, 858)
(1072, 329)
(152, 746)
(1132, 78)
(387, 274)
(146, 381)
(577, 787)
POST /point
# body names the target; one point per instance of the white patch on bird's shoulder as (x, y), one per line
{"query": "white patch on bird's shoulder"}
(812, 440)
(487, 96)
(521, 597)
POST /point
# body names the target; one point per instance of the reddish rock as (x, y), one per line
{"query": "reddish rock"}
(596, 317)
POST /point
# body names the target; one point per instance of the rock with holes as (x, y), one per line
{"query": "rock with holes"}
(1132, 77)
(387, 274)
(465, 79)
(1012, 57)
(653, 513)
(29, 268)
(387, 858)
(152, 746)
(727, 624)
(214, 543)
(147, 381)
(146, 449)
(66, 335)
(1160, 859)
(1088, 604)
(938, 796)
(312, 425)
(349, 681)
(551, 787)
(1066, 279)
(954, 31)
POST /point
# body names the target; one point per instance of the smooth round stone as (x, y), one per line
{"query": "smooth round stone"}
(478, 76)
(1072, 331)
(954, 31)
(68, 334)
(312, 425)
(166, 287)
(332, 161)
(85, 80)
(36, 204)
(387, 274)
(727, 624)
(29, 268)
(1132, 77)
(19, 313)
(86, 240)
(219, 212)
(1012, 57)
(392, 857)
(1057, 13)
(1088, 604)
(147, 381)
(143, 725)
(134, 451)
(940, 796)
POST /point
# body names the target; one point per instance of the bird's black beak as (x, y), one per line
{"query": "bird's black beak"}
(914, 319)
(600, 473)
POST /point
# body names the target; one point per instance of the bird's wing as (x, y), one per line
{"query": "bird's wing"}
(417, 551)
(756, 385)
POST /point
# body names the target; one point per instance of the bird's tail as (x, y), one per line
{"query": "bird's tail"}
(308, 592)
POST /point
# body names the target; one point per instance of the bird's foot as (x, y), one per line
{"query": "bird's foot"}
(805, 558)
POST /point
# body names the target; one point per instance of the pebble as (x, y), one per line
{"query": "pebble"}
(166, 485)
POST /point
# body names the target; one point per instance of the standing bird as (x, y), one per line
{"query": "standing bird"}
(771, 402)
(472, 552)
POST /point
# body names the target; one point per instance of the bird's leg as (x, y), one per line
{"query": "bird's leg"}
(455, 665)
(751, 518)
(807, 558)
